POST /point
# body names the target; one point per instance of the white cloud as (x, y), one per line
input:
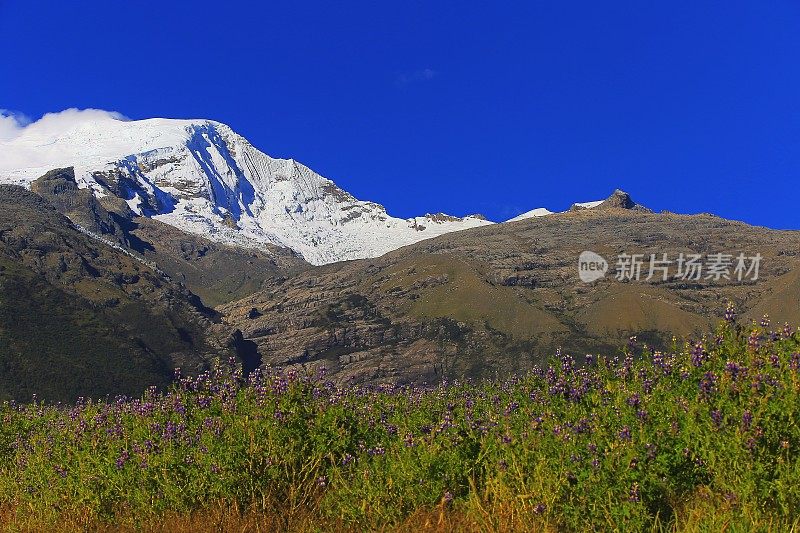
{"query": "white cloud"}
(14, 124)
(418, 75)
(61, 121)
(25, 144)
(11, 124)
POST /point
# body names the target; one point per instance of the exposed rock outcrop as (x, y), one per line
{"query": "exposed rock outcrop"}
(619, 199)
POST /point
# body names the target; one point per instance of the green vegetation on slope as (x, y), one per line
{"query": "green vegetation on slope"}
(58, 347)
(81, 318)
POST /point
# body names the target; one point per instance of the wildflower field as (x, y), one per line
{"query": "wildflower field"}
(703, 437)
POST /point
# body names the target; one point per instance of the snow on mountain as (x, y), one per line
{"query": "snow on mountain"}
(538, 212)
(202, 177)
(588, 205)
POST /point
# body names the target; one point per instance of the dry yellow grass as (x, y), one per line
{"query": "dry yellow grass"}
(229, 518)
(703, 514)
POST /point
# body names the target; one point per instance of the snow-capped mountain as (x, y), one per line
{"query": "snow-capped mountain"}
(202, 177)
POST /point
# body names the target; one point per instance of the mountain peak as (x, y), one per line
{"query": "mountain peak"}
(203, 178)
(619, 199)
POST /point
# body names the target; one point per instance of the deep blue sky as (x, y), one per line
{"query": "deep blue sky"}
(462, 106)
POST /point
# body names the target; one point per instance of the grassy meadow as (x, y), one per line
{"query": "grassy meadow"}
(705, 437)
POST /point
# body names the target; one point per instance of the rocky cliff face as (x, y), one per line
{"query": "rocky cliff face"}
(59, 187)
(504, 297)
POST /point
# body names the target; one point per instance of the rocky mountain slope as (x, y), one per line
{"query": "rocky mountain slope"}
(503, 297)
(81, 316)
(203, 178)
(216, 272)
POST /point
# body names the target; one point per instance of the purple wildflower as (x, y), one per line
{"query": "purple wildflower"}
(634, 400)
(699, 355)
(651, 451)
(730, 313)
(716, 417)
(754, 341)
(634, 495)
(708, 384)
(734, 369)
(747, 419)
(376, 451)
(122, 459)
